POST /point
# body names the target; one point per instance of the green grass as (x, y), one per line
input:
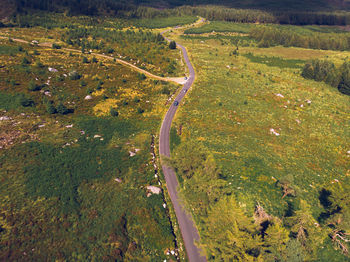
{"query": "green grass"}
(8, 50)
(275, 61)
(219, 26)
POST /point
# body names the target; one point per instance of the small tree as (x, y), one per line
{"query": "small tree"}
(172, 45)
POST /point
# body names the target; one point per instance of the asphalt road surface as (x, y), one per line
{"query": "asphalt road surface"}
(188, 229)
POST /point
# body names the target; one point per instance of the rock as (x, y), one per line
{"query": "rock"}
(97, 136)
(4, 118)
(88, 97)
(53, 70)
(132, 153)
(280, 95)
(272, 131)
(154, 189)
(164, 205)
(137, 150)
(118, 180)
(69, 126)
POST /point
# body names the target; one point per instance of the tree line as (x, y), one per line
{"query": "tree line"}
(270, 36)
(134, 9)
(229, 232)
(326, 71)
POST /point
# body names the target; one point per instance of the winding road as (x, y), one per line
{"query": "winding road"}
(188, 229)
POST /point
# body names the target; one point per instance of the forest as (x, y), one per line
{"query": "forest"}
(297, 236)
(311, 14)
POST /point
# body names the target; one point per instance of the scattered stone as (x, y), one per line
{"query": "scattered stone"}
(97, 136)
(308, 102)
(137, 150)
(40, 126)
(298, 121)
(154, 189)
(164, 205)
(88, 97)
(69, 126)
(280, 95)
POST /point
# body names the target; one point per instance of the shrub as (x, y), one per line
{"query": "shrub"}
(141, 76)
(38, 64)
(25, 101)
(56, 46)
(74, 75)
(140, 110)
(94, 60)
(165, 90)
(25, 61)
(85, 60)
(62, 109)
(113, 112)
(172, 45)
(82, 83)
(32, 86)
(50, 108)
(344, 84)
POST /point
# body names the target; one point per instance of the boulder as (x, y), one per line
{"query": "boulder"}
(154, 189)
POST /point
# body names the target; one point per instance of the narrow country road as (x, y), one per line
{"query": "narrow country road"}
(188, 229)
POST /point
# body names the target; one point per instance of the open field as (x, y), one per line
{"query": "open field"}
(262, 123)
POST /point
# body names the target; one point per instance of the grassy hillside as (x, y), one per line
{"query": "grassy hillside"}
(76, 136)
(266, 137)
